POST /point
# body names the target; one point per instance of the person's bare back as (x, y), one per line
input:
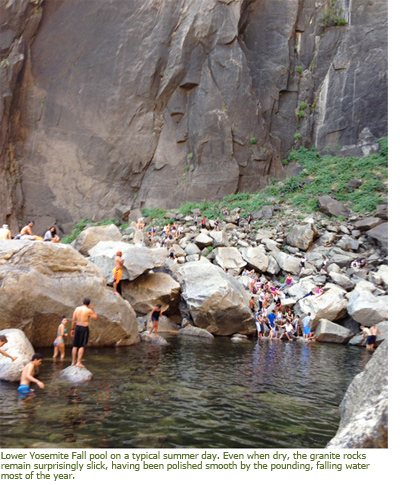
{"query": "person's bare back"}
(82, 314)
(27, 376)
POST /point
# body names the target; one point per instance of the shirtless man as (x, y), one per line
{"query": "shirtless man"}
(80, 319)
(27, 375)
(5, 232)
(3, 341)
(117, 272)
(27, 230)
(371, 334)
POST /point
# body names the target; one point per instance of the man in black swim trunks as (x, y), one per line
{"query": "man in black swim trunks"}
(80, 330)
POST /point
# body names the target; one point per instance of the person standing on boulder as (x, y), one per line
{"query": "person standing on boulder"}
(117, 272)
(154, 317)
(3, 341)
(307, 327)
(303, 261)
(371, 334)
(80, 320)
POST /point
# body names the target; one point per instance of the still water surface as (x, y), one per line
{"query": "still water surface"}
(192, 393)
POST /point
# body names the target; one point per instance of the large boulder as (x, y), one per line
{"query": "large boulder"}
(330, 306)
(266, 212)
(287, 262)
(342, 280)
(366, 308)
(368, 223)
(165, 325)
(331, 207)
(216, 301)
(138, 259)
(328, 331)
(17, 346)
(304, 286)
(41, 282)
(145, 292)
(153, 339)
(90, 236)
(341, 258)
(302, 236)
(229, 259)
(256, 258)
(364, 408)
(203, 241)
(220, 239)
(380, 235)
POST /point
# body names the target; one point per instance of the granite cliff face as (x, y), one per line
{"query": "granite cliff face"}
(153, 103)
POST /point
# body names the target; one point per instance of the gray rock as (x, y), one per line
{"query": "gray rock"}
(382, 211)
(76, 375)
(152, 339)
(230, 259)
(366, 224)
(342, 280)
(302, 236)
(347, 243)
(288, 263)
(88, 238)
(203, 241)
(327, 331)
(191, 331)
(364, 409)
(361, 341)
(367, 308)
(191, 249)
(380, 235)
(17, 346)
(266, 212)
(220, 239)
(216, 301)
(331, 207)
(256, 258)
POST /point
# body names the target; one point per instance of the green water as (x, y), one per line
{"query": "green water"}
(193, 393)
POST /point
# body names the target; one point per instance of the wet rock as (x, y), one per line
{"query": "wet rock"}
(89, 237)
(76, 375)
(364, 409)
(17, 346)
(216, 301)
(41, 282)
(152, 339)
(191, 331)
(328, 331)
(366, 224)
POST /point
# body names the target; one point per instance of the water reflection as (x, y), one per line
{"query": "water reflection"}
(189, 394)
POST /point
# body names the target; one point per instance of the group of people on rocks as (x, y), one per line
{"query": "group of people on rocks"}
(27, 233)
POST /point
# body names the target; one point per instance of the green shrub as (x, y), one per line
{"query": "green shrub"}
(299, 69)
(190, 156)
(297, 136)
(253, 141)
(155, 213)
(303, 105)
(301, 114)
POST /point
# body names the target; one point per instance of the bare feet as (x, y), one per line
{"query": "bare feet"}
(80, 365)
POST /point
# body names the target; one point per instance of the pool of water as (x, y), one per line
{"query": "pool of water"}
(192, 393)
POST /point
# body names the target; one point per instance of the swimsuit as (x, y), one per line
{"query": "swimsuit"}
(24, 389)
(81, 336)
(156, 316)
(371, 339)
(117, 273)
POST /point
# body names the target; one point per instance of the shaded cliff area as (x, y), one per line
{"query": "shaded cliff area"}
(157, 102)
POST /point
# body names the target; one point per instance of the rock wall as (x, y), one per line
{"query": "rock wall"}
(153, 103)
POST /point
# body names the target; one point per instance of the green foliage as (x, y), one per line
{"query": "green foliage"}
(301, 114)
(155, 213)
(296, 48)
(299, 69)
(303, 105)
(333, 15)
(188, 207)
(297, 136)
(190, 156)
(253, 141)
(186, 168)
(341, 218)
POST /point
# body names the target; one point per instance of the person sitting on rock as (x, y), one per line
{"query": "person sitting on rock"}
(51, 235)
(226, 212)
(327, 243)
(363, 263)
(287, 332)
(289, 281)
(59, 344)
(216, 224)
(27, 375)
(277, 301)
(5, 232)
(26, 233)
(3, 341)
(355, 264)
